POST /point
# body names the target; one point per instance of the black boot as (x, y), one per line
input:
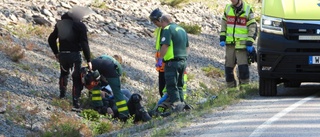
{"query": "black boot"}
(62, 94)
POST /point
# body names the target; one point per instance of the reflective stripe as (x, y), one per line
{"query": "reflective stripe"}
(237, 26)
(95, 92)
(238, 35)
(222, 33)
(96, 98)
(123, 109)
(123, 102)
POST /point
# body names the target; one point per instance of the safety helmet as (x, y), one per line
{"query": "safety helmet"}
(89, 79)
(155, 14)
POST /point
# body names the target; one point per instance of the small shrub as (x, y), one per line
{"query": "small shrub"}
(90, 114)
(173, 3)
(61, 125)
(192, 29)
(62, 103)
(99, 4)
(102, 127)
(213, 72)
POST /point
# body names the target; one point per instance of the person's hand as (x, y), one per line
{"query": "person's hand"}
(250, 49)
(159, 63)
(222, 43)
(89, 66)
(109, 111)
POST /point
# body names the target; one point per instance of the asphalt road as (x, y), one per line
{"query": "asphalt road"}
(294, 112)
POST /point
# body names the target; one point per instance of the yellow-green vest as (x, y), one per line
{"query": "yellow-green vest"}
(237, 33)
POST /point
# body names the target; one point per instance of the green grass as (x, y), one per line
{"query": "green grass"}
(224, 98)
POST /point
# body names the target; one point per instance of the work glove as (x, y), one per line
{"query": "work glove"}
(222, 43)
(164, 97)
(159, 63)
(250, 49)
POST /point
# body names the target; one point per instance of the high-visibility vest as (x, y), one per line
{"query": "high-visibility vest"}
(157, 34)
(237, 30)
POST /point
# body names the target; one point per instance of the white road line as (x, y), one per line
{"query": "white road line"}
(259, 130)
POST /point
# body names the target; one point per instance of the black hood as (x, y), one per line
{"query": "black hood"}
(66, 16)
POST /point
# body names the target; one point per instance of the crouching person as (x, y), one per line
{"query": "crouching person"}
(105, 101)
(133, 103)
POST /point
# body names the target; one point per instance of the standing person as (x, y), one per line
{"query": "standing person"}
(155, 18)
(173, 52)
(110, 70)
(72, 35)
(238, 32)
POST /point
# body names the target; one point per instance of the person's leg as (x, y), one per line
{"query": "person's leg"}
(180, 83)
(171, 76)
(243, 67)
(121, 103)
(230, 61)
(64, 74)
(127, 94)
(76, 79)
(162, 83)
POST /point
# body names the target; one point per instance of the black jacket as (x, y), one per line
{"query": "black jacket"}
(72, 37)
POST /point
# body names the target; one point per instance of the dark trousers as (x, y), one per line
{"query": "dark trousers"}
(174, 71)
(70, 63)
(162, 83)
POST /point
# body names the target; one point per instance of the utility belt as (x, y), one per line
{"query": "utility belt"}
(68, 52)
(176, 59)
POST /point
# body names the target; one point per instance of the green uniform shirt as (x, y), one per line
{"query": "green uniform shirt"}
(176, 35)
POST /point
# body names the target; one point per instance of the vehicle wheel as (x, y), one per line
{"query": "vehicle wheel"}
(267, 87)
(292, 84)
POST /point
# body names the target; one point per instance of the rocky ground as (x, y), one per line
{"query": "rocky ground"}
(122, 28)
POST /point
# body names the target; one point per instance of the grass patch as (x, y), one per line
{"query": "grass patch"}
(173, 3)
(26, 31)
(62, 103)
(213, 72)
(224, 97)
(192, 29)
(11, 49)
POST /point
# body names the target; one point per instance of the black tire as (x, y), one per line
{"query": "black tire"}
(292, 84)
(267, 87)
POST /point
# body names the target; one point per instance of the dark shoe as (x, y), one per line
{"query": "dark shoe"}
(144, 115)
(178, 106)
(62, 94)
(76, 103)
(188, 107)
(76, 109)
(123, 117)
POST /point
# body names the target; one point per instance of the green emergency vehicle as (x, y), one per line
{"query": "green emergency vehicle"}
(288, 44)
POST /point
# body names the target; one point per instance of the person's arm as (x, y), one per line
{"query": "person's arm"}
(84, 43)
(252, 27)
(52, 40)
(223, 26)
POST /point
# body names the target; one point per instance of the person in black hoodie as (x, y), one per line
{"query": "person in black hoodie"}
(72, 35)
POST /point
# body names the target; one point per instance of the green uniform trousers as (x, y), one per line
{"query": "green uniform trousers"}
(174, 71)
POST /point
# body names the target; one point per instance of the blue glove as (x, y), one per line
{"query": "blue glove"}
(159, 63)
(222, 43)
(164, 97)
(250, 49)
